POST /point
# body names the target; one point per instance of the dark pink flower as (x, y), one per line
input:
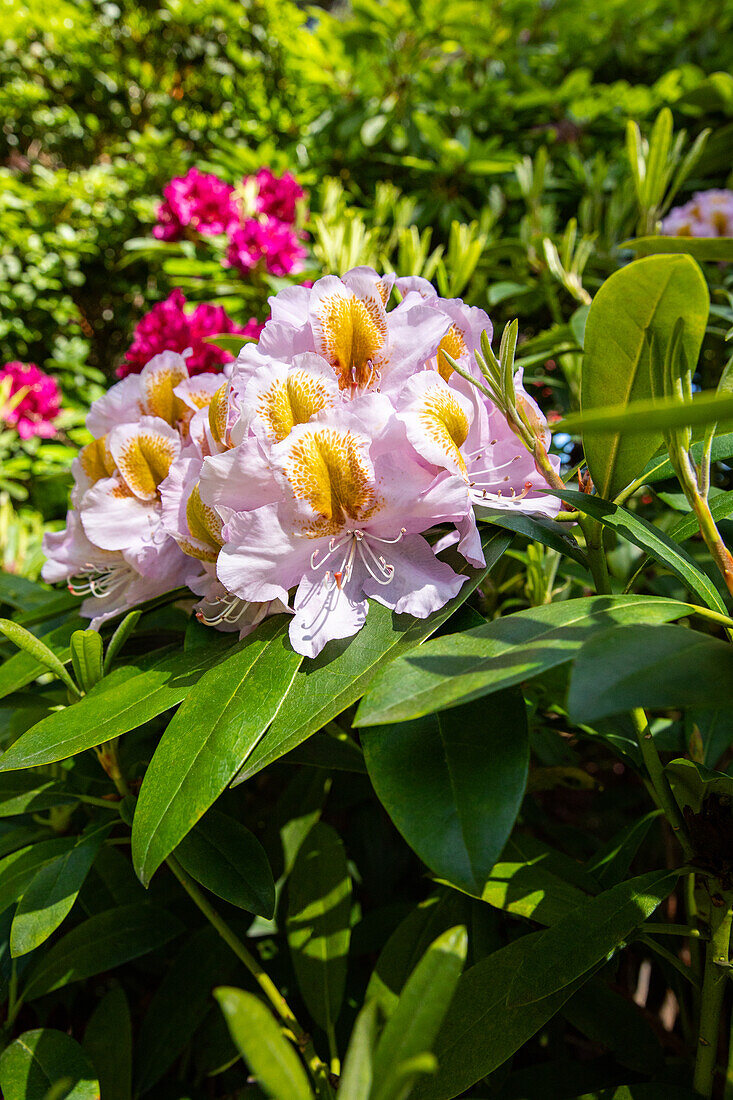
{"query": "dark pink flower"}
(271, 243)
(277, 196)
(39, 405)
(199, 201)
(167, 327)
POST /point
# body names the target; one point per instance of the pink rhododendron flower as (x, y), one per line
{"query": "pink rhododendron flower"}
(270, 243)
(168, 327)
(198, 201)
(707, 214)
(40, 403)
(277, 196)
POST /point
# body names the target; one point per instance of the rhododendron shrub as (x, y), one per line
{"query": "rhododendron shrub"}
(30, 400)
(707, 214)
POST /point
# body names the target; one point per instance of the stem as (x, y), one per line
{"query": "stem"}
(719, 552)
(108, 756)
(673, 930)
(596, 555)
(318, 1071)
(659, 780)
(713, 990)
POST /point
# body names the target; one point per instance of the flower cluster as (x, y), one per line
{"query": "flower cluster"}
(29, 400)
(707, 214)
(258, 219)
(333, 465)
(168, 327)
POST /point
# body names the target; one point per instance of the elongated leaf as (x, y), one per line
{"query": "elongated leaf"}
(639, 418)
(584, 937)
(453, 783)
(649, 666)
(22, 668)
(125, 699)
(656, 543)
(29, 792)
(615, 1022)
(721, 506)
(692, 783)
(229, 860)
(356, 1080)
(108, 1044)
(643, 299)
(533, 881)
(480, 1032)
(38, 1059)
(86, 657)
(456, 668)
(270, 1057)
(18, 868)
(703, 249)
(38, 651)
(51, 893)
(413, 1026)
(340, 674)
(660, 468)
(118, 639)
(611, 862)
(104, 941)
(537, 528)
(179, 1004)
(318, 922)
(208, 740)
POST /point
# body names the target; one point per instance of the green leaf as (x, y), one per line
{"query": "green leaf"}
(702, 249)
(480, 1032)
(456, 668)
(209, 739)
(227, 859)
(586, 936)
(615, 1023)
(413, 1026)
(611, 862)
(649, 666)
(355, 1082)
(51, 893)
(108, 1044)
(18, 868)
(179, 1004)
(453, 783)
(721, 507)
(86, 657)
(639, 417)
(534, 881)
(692, 783)
(537, 529)
(226, 340)
(127, 698)
(118, 639)
(656, 543)
(29, 792)
(318, 922)
(660, 468)
(38, 1059)
(100, 943)
(258, 1038)
(340, 674)
(38, 651)
(638, 301)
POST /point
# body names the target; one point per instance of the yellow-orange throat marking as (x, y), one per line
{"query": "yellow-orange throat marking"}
(96, 461)
(455, 345)
(354, 334)
(293, 400)
(446, 423)
(158, 394)
(327, 468)
(204, 525)
(144, 462)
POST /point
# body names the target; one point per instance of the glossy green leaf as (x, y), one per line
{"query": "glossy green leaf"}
(703, 249)
(656, 543)
(86, 657)
(31, 792)
(480, 1032)
(125, 699)
(226, 340)
(208, 740)
(38, 652)
(51, 893)
(226, 858)
(721, 507)
(22, 668)
(108, 1044)
(270, 1057)
(453, 783)
(38, 1059)
(456, 668)
(649, 666)
(642, 299)
(100, 943)
(586, 936)
(660, 468)
(19, 867)
(534, 881)
(330, 683)
(611, 862)
(413, 1026)
(319, 922)
(538, 529)
(617, 1024)
(118, 639)
(692, 783)
(355, 1082)
(639, 418)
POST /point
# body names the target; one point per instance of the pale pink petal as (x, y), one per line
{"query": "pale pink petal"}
(261, 559)
(324, 611)
(120, 404)
(421, 583)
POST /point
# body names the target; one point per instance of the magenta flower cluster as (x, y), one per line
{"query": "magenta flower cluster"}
(39, 405)
(168, 327)
(707, 214)
(200, 203)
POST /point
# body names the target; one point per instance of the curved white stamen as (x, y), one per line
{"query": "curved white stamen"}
(376, 566)
(232, 608)
(100, 582)
(385, 572)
